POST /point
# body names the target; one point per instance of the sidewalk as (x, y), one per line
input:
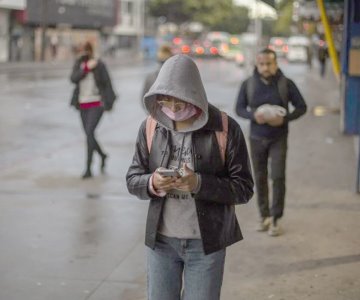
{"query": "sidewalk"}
(121, 57)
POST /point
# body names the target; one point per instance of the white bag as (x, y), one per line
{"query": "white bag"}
(270, 112)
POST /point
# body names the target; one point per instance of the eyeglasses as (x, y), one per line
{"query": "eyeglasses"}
(170, 102)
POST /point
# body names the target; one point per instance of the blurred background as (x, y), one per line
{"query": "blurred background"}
(36, 30)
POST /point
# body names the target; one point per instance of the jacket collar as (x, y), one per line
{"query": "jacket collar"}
(275, 78)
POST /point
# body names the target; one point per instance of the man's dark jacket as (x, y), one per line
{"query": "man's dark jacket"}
(222, 186)
(102, 80)
(269, 94)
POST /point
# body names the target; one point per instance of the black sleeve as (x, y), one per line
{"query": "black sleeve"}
(242, 104)
(297, 100)
(109, 94)
(237, 187)
(77, 73)
(138, 174)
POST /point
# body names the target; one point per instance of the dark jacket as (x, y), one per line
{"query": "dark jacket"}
(222, 186)
(269, 94)
(102, 80)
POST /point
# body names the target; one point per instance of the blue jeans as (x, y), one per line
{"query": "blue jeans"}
(179, 269)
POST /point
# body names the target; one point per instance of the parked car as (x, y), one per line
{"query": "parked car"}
(204, 48)
(298, 49)
(181, 45)
(220, 40)
(279, 45)
(234, 50)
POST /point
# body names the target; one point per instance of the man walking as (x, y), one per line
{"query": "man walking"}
(263, 98)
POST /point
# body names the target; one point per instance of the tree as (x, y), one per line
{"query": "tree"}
(237, 21)
(283, 24)
(173, 10)
(214, 14)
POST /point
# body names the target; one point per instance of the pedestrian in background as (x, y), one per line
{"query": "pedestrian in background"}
(163, 53)
(191, 217)
(93, 94)
(263, 98)
(309, 55)
(322, 57)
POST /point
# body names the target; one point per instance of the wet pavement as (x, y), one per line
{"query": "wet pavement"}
(65, 238)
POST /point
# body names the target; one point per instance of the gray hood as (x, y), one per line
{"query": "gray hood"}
(178, 77)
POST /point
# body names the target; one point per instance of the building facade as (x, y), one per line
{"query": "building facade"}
(9, 32)
(52, 29)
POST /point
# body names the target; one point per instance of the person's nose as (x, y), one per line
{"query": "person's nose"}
(173, 107)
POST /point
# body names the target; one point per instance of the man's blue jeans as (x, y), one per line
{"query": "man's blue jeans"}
(179, 269)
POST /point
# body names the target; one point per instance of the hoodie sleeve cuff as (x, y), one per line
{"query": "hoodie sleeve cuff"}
(152, 189)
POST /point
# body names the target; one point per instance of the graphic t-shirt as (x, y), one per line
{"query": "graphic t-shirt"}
(179, 217)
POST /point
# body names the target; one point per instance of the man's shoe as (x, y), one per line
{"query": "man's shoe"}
(87, 174)
(263, 224)
(274, 229)
(103, 163)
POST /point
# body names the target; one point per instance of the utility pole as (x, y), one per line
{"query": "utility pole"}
(141, 26)
(329, 39)
(258, 26)
(44, 21)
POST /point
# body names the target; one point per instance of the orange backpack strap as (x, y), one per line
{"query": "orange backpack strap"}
(150, 130)
(221, 136)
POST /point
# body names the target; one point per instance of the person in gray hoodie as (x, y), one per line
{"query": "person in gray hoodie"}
(191, 218)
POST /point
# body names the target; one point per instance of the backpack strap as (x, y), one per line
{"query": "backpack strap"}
(221, 136)
(150, 130)
(282, 86)
(250, 89)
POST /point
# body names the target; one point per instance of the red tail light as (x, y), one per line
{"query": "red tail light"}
(199, 50)
(185, 49)
(214, 51)
(278, 42)
(177, 41)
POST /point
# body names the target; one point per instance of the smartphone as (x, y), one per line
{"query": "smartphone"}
(168, 172)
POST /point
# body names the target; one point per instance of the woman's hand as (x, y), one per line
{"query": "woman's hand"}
(188, 182)
(92, 63)
(163, 183)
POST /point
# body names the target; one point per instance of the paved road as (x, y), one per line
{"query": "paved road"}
(64, 238)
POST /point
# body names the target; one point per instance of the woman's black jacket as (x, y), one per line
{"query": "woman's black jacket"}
(222, 185)
(102, 80)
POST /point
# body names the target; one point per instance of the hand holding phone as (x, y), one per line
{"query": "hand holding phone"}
(168, 172)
